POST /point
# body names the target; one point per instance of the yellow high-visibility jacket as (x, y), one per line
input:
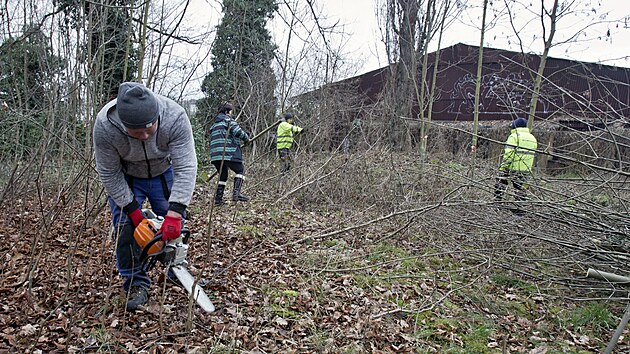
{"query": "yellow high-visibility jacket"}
(519, 151)
(285, 134)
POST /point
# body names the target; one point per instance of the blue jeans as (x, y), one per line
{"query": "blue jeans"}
(157, 191)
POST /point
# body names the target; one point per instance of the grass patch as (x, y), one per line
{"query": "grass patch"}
(385, 251)
(102, 336)
(454, 166)
(511, 282)
(413, 265)
(438, 330)
(250, 231)
(338, 243)
(285, 312)
(318, 341)
(595, 317)
(291, 293)
(278, 216)
(195, 210)
(476, 340)
(505, 281)
(601, 199)
(368, 282)
(569, 175)
(282, 301)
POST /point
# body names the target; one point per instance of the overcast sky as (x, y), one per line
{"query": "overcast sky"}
(359, 16)
(363, 49)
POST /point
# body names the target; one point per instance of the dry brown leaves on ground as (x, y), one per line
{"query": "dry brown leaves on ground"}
(60, 293)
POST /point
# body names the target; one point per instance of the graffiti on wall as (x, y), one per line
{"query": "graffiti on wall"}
(498, 94)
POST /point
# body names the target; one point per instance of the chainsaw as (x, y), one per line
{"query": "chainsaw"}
(171, 254)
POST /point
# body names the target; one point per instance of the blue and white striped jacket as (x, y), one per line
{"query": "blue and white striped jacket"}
(225, 139)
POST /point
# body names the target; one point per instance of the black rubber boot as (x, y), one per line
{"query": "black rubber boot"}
(138, 297)
(218, 196)
(236, 193)
(500, 186)
(498, 193)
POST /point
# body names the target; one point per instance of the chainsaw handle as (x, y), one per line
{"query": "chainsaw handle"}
(145, 250)
(185, 235)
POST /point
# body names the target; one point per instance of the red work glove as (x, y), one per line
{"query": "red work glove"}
(136, 217)
(171, 228)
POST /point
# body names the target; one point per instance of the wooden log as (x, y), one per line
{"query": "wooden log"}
(610, 277)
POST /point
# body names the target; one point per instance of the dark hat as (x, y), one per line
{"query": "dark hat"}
(519, 123)
(288, 115)
(137, 106)
(226, 107)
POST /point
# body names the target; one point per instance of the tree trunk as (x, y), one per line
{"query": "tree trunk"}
(543, 60)
(425, 125)
(143, 44)
(473, 147)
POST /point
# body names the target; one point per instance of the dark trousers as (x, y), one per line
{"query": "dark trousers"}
(285, 157)
(518, 180)
(157, 191)
(237, 167)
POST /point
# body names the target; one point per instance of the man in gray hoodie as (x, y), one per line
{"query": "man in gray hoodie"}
(144, 149)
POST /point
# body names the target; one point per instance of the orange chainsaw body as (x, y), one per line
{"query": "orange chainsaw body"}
(144, 233)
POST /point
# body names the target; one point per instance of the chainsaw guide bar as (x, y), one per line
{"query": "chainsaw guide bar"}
(173, 256)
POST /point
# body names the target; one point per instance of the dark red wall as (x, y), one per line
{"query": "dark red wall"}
(570, 87)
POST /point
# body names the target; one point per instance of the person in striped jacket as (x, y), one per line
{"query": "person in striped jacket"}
(226, 154)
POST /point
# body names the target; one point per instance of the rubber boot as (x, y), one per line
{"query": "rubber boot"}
(500, 186)
(236, 193)
(218, 196)
(519, 199)
(498, 193)
(286, 165)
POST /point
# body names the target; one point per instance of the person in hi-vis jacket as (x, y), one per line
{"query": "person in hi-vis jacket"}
(517, 162)
(285, 136)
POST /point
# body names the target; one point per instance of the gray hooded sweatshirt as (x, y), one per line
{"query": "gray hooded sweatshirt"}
(117, 154)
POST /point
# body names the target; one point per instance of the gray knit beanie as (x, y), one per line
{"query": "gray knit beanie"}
(137, 106)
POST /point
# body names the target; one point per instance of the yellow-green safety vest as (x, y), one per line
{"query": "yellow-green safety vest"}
(519, 151)
(285, 135)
